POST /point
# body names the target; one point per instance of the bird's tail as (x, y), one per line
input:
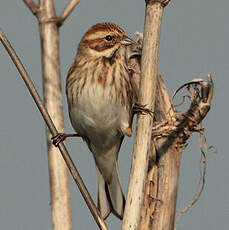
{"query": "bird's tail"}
(110, 195)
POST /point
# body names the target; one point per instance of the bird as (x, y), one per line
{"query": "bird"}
(100, 104)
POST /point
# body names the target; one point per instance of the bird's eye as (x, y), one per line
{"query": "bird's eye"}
(108, 38)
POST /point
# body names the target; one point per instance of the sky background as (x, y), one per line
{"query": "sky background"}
(194, 42)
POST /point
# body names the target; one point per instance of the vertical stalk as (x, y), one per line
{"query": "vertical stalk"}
(158, 212)
(142, 145)
(59, 185)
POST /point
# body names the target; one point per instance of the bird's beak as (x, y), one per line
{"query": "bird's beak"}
(127, 41)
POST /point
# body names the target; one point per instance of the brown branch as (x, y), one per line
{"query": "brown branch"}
(188, 122)
(74, 172)
(170, 132)
(58, 172)
(67, 11)
(169, 140)
(31, 5)
(146, 96)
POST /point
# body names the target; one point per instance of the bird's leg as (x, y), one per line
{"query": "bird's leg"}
(60, 137)
(141, 109)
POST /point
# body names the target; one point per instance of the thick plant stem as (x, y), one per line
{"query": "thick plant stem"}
(142, 144)
(58, 174)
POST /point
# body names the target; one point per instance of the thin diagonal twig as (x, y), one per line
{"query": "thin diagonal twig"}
(67, 11)
(75, 174)
(31, 5)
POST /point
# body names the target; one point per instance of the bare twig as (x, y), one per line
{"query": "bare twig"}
(171, 128)
(169, 137)
(67, 11)
(189, 121)
(31, 5)
(142, 145)
(170, 132)
(198, 81)
(75, 174)
(52, 92)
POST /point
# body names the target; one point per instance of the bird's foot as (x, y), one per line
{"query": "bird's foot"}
(141, 109)
(60, 137)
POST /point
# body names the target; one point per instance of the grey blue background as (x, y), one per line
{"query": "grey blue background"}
(194, 41)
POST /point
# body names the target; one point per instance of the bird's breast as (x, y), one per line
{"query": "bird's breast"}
(100, 101)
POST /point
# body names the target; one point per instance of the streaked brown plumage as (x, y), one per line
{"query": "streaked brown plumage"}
(100, 98)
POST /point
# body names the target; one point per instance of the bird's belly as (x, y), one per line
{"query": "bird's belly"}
(98, 117)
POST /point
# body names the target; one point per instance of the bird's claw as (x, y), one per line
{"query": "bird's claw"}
(141, 109)
(56, 140)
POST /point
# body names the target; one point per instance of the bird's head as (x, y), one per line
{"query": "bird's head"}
(103, 40)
